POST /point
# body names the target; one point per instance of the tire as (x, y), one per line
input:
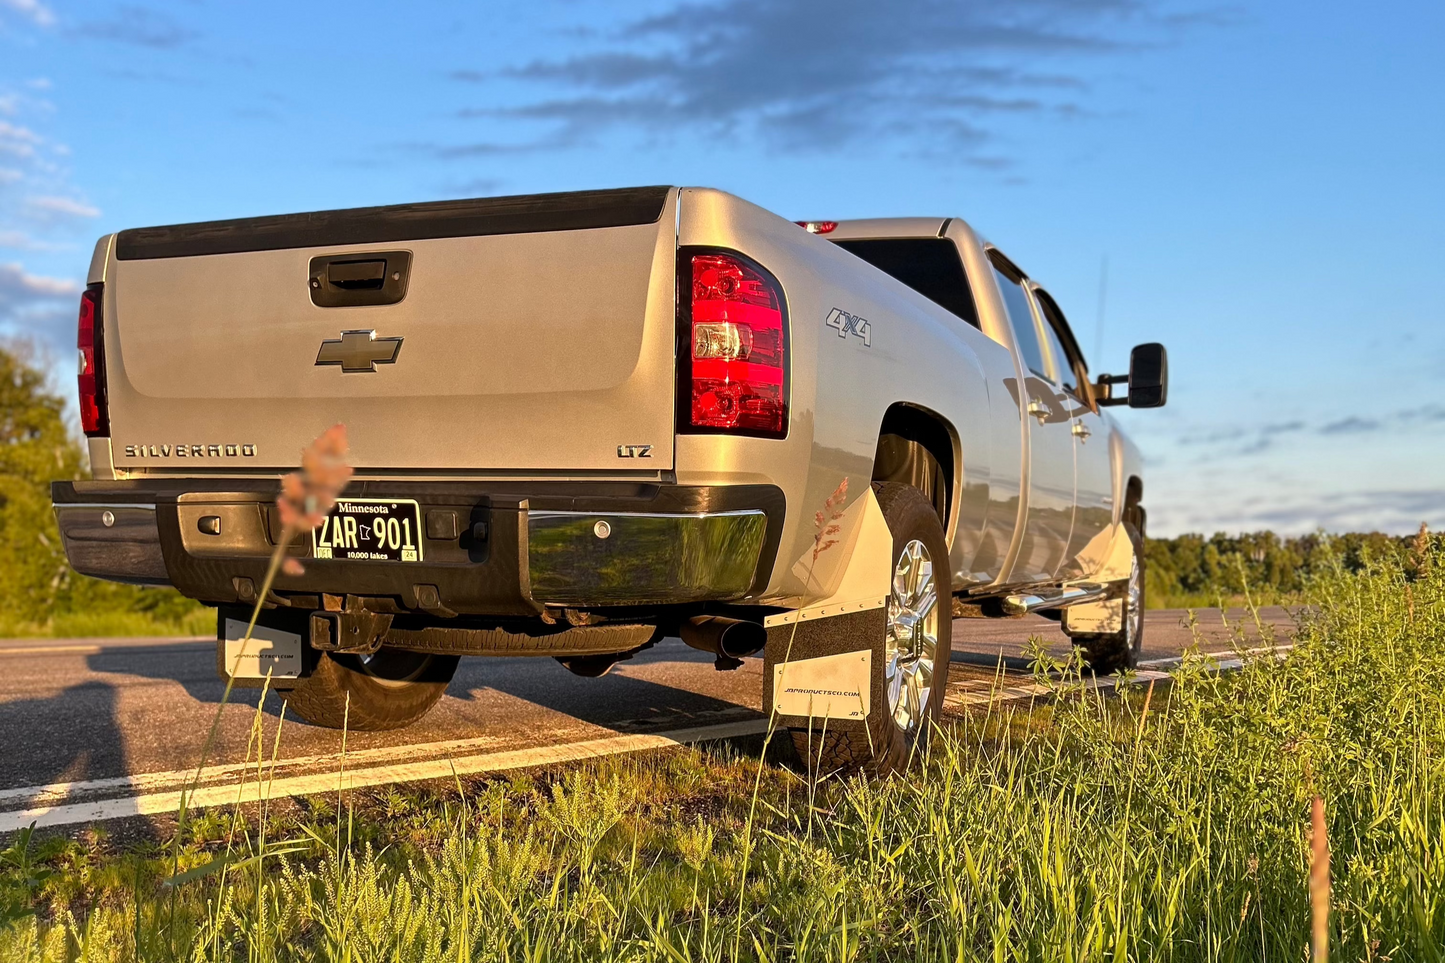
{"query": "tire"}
(389, 689)
(888, 745)
(1107, 653)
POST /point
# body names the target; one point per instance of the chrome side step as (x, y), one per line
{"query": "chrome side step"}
(1024, 604)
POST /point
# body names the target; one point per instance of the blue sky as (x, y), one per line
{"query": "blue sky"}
(1264, 179)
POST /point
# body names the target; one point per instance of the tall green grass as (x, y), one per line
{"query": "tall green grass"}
(1081, 829)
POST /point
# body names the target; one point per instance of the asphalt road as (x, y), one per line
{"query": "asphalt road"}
(93, 711)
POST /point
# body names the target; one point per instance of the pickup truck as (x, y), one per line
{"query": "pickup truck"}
(584, 422)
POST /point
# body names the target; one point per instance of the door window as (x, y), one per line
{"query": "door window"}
(1068, 362)
(1060, 364)
(1022, 320)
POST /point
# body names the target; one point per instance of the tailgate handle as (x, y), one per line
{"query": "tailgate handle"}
(359, 277)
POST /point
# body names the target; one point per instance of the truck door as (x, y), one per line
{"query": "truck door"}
(1093, 478)
(1048, 420)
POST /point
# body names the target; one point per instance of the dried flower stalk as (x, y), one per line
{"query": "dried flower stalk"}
(825, 522)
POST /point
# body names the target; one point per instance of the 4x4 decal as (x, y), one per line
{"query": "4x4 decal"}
(850, 324)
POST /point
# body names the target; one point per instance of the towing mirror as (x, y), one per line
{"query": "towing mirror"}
(1148, 379)
(1148, 376)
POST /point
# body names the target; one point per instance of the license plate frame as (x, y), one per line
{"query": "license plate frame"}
(370, 530)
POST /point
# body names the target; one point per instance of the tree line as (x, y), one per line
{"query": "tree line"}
(1195, 570)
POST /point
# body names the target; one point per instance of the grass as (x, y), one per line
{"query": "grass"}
(1167, 826)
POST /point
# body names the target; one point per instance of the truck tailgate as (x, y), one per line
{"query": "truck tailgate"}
(537, 334)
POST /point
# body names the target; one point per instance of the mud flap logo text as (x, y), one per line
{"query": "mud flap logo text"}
(850, 324)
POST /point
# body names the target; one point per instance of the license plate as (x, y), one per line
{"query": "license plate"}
(380, 529)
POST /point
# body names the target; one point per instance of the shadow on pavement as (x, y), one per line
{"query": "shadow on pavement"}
(41, 746)
(487, 683)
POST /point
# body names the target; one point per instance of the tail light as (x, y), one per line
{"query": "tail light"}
(818, 227)
(94, 419)
(734, 374)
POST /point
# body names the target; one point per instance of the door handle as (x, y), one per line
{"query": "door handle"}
(357, 275)
(350, 280)
(1080, 430)
(1038, 409)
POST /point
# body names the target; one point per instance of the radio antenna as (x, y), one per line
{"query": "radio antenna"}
(1099, 318)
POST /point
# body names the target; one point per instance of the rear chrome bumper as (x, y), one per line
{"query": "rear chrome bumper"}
(511, 552)
(585, 558)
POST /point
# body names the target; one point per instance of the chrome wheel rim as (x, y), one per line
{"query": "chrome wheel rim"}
(912, 643)
(1134, 617)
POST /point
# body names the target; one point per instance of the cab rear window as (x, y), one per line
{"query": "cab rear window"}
(928, 265)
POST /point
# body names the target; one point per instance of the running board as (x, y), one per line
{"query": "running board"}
(1024, 604)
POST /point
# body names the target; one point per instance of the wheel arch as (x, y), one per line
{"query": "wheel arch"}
(1133, 511)
(911, 435)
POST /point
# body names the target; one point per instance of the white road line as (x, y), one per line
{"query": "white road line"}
(95, 648)
(52, 649)
(1229, 656)
(1152, 670)
(169, 802)
(1034, 690)
(180, 777)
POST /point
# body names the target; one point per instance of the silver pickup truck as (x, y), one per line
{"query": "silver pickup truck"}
(584, 422)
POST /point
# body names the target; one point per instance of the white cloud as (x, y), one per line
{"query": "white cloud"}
(35, 305)
(17, 141)
(18, 287)
(33, 10)
(49, 206)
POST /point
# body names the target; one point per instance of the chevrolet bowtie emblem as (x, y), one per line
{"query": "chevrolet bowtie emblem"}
(359, 351)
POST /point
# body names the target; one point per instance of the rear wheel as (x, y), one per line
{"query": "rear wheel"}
(914, 650)
(1111, 652)
(387, 689)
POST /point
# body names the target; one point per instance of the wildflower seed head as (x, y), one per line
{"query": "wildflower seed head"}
(307, 495)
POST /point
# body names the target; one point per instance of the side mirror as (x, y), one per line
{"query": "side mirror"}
(1148, 376)
(1148, 379)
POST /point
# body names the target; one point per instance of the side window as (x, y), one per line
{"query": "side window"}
(1062, 365)
(928, 265)
(1022, 320)
(1068, 363)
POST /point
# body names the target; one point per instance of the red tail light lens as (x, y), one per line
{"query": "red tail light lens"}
(736, 348)
(94, 419)
(818, 227)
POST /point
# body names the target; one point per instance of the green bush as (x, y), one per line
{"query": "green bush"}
(39, 593)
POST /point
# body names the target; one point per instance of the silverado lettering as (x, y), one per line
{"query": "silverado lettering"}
(189, 451)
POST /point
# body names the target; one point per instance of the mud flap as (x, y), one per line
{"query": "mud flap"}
(1095, 618)
(1104, 617)
(823, 660)
(276, 644)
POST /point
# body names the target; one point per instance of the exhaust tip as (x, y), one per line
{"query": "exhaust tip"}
(731, 638)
